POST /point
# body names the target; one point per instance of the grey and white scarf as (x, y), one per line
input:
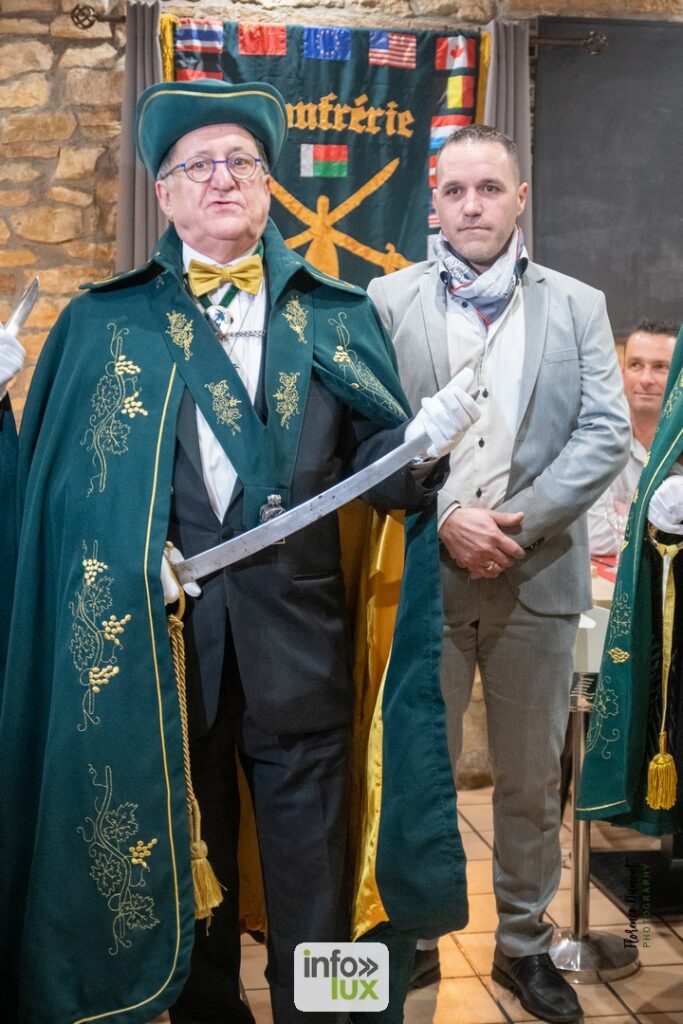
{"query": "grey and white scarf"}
(487, 294)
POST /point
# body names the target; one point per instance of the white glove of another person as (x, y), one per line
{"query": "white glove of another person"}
(665, 510)
(445, 415)
(170, 584)
(11, 359)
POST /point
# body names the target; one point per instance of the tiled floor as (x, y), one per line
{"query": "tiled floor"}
(466, 993)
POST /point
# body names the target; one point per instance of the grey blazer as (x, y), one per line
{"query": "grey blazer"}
(572, 428)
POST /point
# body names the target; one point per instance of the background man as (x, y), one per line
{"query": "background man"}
(633, 772)
(552, 434)
(647, 358)
(148, 419)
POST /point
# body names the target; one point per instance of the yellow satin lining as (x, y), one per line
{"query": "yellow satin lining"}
(372, 546)
(252, 897)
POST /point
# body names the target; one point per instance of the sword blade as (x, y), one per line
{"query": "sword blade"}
(249, 543)
(24, 307)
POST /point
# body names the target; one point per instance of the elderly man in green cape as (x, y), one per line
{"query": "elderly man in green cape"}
(183, 401)
(633, 772)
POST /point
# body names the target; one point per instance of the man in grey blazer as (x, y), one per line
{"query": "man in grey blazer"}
(553, 433)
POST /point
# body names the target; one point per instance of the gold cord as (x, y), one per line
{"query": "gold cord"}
(662, 778)
(207, 888)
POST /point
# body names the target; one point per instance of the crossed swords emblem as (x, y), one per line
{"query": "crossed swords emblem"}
(324, 238)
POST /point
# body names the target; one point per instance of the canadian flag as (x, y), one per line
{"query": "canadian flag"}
(455, 52)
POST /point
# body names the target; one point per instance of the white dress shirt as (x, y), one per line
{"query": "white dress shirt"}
(480, 462)
(601, 537)
(249, 314)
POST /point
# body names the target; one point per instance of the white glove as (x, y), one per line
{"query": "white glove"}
(665, 510)
(169, 583)
(11, 358)
(445, 416)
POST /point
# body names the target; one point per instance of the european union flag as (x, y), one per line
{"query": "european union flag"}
(327, 43)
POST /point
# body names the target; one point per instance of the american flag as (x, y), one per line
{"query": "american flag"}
(395, 49)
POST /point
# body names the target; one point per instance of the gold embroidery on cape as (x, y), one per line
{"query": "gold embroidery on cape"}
(95, 641)
(356, 372)
(181, 332)
(118, 869)
(605, 705)
(675, 394)
(141, 851)
(606, 702)
(225, 405)
(646, 459)
(297, 318)
(325, 238)
(287, 397)
(117, 394)
(620, 617)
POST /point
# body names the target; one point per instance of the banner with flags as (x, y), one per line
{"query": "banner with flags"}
(367, 111)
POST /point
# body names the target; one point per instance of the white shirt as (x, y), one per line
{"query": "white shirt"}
(249, 314)
(601, 537)
(480, 462)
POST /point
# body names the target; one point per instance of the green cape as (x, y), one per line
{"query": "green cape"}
(95, 883)
(626, 707)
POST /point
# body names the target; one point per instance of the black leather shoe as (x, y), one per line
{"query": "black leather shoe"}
(426, 968)
(538, 985)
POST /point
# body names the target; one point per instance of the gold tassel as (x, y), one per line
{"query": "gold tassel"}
(662, 779)
(207, 888)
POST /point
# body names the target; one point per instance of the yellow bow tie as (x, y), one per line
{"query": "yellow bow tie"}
(245, 275)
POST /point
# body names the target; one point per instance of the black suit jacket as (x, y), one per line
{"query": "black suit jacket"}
(285, 606)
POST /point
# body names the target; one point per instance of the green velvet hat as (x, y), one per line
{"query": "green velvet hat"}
(167, 111)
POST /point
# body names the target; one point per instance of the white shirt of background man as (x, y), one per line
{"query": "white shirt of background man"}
(601, 537)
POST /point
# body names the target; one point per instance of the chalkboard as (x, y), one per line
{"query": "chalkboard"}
(608, 164)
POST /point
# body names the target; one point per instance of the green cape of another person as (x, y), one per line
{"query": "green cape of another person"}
(627, 709)
(95, 882)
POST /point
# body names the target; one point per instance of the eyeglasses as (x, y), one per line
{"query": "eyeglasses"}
(202, 168)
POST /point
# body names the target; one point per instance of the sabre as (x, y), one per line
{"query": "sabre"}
(24, 306)
(287, 523)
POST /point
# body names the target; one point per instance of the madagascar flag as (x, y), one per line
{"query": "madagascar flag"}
(320, 161)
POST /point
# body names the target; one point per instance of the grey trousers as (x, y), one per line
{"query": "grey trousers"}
(525, 661)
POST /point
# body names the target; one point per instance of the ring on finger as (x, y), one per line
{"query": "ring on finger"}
(490, 566)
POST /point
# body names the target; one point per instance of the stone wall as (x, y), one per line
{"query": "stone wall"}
(423, 13)
(60, 91)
